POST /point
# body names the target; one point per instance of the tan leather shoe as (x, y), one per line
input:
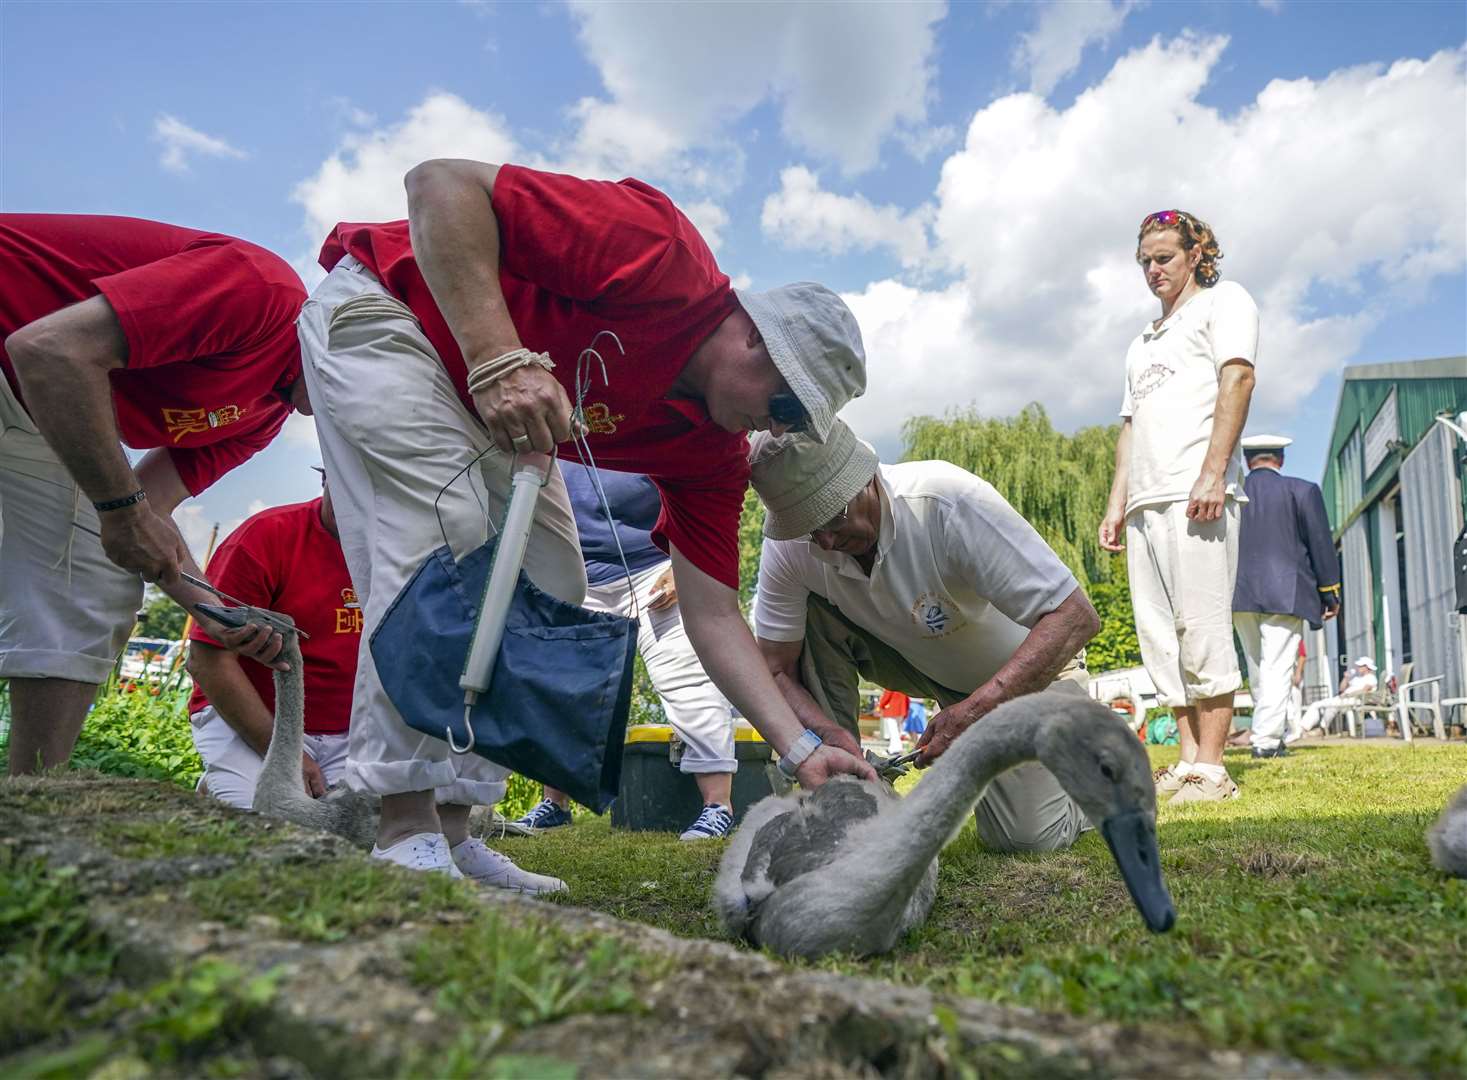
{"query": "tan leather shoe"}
(1198, 788)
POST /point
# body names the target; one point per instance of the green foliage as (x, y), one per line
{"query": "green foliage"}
(1116, 645)
(501, 978)
(751, 541)
(141, 733)
(160, 617)
(51, 961)
(1059, 483)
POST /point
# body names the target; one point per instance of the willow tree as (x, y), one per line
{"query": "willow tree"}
(1060, 484)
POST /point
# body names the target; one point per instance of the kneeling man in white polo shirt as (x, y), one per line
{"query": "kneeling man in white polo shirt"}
(921, 578)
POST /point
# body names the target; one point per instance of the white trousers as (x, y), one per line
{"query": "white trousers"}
(1182, 575)
(698, 711)
(1323, 711)
(66, 610)
(1271, 646)
(393, 433)
(232, 768)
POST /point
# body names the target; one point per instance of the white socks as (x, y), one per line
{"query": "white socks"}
(1210, 772)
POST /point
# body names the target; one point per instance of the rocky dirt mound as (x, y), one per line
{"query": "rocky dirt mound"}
(357, 969)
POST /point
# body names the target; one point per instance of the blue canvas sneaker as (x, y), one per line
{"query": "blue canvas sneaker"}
(546, 815)
(714, 823)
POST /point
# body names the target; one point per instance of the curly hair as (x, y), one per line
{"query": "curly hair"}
(1194, 233)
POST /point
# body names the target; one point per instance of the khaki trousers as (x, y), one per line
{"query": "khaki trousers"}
(1024, 809)
(393, 435)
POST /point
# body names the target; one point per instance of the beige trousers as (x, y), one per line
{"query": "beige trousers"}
(393, 435)
(1182, 575)
(1024, 809)
(66, 610)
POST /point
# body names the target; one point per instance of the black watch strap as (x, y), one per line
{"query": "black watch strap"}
(117, 504)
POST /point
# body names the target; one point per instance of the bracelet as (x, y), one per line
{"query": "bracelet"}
(493, 370)
(117, 504)
(799, 750)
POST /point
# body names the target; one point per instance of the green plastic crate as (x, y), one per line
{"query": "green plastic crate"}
(656, 795)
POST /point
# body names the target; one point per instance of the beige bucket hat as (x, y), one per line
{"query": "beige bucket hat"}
(802, 483)
(815, 343)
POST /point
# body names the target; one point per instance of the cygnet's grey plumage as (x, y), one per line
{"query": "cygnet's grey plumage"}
(279, 791)
(1447, 838)
(852, 866)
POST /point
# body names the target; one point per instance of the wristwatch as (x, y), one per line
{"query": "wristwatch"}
(799, 750)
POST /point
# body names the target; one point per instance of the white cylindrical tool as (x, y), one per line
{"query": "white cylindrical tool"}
(514, 536)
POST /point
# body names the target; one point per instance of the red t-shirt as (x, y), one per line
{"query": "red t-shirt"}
(893, 703)
(285, 560)
(578, 257)
(209, 322)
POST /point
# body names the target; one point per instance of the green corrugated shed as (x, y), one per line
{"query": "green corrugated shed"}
(1424, 389)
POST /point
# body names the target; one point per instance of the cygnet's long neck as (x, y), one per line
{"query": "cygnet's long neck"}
(280, 775)
(929, 817)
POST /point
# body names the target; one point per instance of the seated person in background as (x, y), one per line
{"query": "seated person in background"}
(1359, 682)
(287, 559)
(697, 710)
(921, 578)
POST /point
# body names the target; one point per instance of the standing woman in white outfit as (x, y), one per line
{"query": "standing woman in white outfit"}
(1178, 482)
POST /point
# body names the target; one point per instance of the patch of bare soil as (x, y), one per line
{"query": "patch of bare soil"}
(351, 1008)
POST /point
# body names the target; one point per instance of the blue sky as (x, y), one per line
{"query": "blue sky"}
(970, 177)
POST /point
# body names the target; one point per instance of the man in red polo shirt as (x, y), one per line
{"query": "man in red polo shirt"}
(120, 330)
(287, 559)
(462, 334)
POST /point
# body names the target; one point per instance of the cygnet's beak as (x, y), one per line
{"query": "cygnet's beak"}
(1132, 840)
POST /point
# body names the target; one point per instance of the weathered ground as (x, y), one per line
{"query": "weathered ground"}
(146, 931)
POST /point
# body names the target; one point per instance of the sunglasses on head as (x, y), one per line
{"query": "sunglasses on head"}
(785, 410)
(1165, 217)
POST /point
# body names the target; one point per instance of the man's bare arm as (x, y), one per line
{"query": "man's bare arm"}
(1113, 525)
(455, 239)
(1234, 392)
(783, 658)
(729, 655)
(1051, 644)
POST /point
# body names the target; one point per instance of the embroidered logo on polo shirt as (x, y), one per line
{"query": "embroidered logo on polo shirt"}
(600, 419)
(349, 615)
(181, 422)
(936, 614)
(1151, 380)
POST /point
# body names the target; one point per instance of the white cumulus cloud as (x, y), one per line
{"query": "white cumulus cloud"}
(803, 215)
(362, 180)
(180, 142)
(1332, 198)
(1064, 30)
(843, 77)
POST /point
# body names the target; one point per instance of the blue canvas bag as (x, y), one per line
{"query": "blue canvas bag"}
(556, 710)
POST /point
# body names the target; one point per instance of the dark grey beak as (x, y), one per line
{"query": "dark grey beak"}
(232, 617)
(1132, 841)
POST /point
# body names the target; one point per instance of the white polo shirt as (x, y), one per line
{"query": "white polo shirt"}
(958, 580)
(1172, 373)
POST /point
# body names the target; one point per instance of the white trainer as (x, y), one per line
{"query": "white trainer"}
(479, 862)
(425, 851)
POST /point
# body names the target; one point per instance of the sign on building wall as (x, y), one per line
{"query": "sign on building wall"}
(1383, 431)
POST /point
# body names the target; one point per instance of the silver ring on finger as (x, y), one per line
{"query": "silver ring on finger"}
(521, 443)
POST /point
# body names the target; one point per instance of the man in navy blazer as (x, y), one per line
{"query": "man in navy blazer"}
(1288, 573)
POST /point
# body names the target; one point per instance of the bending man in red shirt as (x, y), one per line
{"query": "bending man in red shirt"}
(457, 333)
(120, 329)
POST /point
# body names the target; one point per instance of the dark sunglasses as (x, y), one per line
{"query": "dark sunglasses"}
(785, 410)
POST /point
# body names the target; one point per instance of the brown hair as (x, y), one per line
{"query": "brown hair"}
(1194, 232)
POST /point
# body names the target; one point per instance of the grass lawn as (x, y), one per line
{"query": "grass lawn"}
(1310, 920)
